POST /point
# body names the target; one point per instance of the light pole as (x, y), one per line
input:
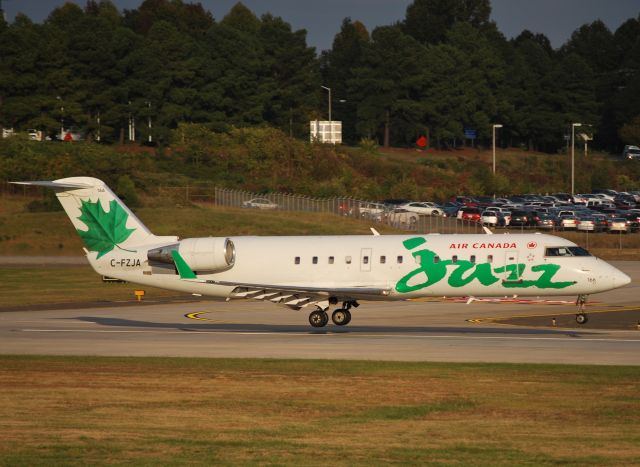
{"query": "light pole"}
(330, 121)
(149, 122)
(61, 118)
(573, 140)
(497, 125)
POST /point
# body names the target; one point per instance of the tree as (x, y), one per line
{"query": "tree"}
(387, 86)
(291, 75)
(428, 21)
(338, 66)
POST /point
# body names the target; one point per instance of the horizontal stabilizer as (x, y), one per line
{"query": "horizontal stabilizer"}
(59, 185)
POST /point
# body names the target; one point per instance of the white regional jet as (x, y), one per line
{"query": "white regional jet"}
(320, 271)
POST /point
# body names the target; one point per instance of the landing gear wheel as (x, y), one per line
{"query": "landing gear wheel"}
(582, 318)
(348, 320)
(318, 318)
(341, 317)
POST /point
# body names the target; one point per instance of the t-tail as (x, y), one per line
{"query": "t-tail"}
(105, 224)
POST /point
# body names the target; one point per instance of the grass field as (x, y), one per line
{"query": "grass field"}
(93, 411)
(77, 284)
(51, 233)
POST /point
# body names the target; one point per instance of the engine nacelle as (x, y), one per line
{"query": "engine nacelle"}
(210, 254)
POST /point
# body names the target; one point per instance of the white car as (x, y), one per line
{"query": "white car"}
(373, 211)
(490, 218)
(424, 207)
(259, 203)
(631, 152)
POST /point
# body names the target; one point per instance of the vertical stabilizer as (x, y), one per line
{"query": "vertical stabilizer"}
(101, 219)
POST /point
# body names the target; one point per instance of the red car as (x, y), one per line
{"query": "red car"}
(471, 214)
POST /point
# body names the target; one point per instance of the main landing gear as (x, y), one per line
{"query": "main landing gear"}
(340, 317)
(581, 316)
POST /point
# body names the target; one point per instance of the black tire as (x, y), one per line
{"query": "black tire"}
(348, 320)
(318, 319)
(325, 318)
(339, 317)
(582, 318)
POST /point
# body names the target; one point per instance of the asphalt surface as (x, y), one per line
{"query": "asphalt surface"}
(432, 330)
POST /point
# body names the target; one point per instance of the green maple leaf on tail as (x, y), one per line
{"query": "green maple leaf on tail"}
(106, 229)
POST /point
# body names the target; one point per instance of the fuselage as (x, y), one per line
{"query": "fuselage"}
(407, 266)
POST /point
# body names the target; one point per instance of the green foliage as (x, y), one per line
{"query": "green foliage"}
(444, 68)
(127, 191)
(368, 146)
(630, 132)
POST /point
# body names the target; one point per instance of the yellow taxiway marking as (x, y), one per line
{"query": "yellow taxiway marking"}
(197, 315)
(616, 308)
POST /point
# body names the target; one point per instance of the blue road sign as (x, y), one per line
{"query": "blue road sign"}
(470, 133)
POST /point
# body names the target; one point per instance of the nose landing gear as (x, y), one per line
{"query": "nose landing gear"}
(581, 316)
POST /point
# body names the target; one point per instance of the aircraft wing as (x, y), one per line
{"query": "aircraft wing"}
(293, 296)
(297, 296)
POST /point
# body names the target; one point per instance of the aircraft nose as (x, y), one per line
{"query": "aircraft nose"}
(620, 279)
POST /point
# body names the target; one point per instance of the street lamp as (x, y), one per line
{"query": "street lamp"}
(330, 121)
(573, 140)
(497, 125)
(61, 118)
(149, 121)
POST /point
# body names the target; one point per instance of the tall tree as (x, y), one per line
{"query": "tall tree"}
(338, 66)
(428, 21)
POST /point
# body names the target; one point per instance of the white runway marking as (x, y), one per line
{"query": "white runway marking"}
(310, 334)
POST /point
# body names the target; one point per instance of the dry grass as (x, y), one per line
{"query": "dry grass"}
(51, 233)
(188, 411)
(30, 286)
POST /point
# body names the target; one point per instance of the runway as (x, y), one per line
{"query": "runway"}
(431, 330)
(434, 330)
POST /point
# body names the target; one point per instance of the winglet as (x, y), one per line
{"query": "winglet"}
(487, 231)
(374, 232)
(183, 268)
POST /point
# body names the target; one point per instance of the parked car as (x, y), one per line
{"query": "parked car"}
(587, 224)
(567, 222)
(520, 218)
(602, 223)
(631, 152)
(373, 211)
(402, 218)
(619, 225)
(505, 219)
(259, 203)
(545, 221)
(490, 218)
(470, 214)
(424, 207)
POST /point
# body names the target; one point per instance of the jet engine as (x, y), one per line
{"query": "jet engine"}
(210, 254)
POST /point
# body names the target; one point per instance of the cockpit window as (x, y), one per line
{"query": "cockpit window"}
(579, 251)
(566, 251)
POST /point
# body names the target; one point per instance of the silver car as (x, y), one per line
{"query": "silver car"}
(619, 225)
(259, 203)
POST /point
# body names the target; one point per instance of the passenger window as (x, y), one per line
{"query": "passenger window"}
(383, 259)
(314, 260)
(473, 258)
(454, 259)
(399, 259)
(436, 259)
(330, 259)
(297, 260)
(365, 260)
(489, 258)
(347, 259)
